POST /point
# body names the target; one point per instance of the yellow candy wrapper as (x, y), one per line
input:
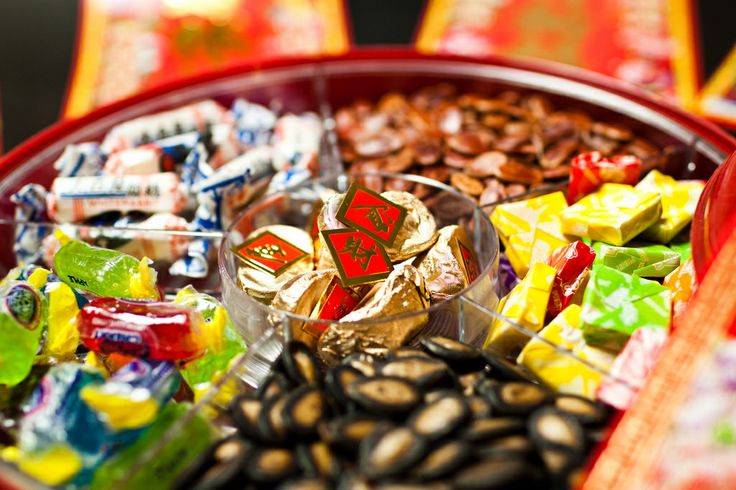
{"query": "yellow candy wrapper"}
(564, 372)
(526, 305)
(62, 336)
(530, 229)
(679, 200)
(614, 214)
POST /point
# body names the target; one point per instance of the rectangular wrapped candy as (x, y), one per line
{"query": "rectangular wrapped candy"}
(679, 199)
(526, 305)
(588, 171)
(530, 229)
(74, 199)
(562, 371)
(616, 304)
(572, 262)
(639, 259)
(614, 214)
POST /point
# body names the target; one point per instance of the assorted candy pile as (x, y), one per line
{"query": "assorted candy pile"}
(487, 147)
(188, 169)
(92, 361)
(366, 257)
(603, 277)
(443, 416)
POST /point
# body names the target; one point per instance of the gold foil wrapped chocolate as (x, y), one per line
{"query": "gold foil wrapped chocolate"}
(300, 295)
(403, 292)
(417, 233)
(270, 257)
(443, 267)
(419, 230)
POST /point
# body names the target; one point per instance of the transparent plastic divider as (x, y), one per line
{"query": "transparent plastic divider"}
(474, 333)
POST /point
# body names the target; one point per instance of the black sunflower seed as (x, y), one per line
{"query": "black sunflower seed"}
(491, 474)
(517, 397)
(439, 418)
(219, 468)
(300, 364)
(513, 446)
(551, 428)
(271, 465)
(462, 357)
(245, 411)
(587, 412)
(384, 394)
(422, 371)
(492, 427)
(318, 460)
(337, 380)
(390, 451)
(348, 431)
(442, 460)
(303, 410)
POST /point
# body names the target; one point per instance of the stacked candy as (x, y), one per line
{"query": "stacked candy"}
(102, 359)
(367, 257)
(583, 277)
(188, 169)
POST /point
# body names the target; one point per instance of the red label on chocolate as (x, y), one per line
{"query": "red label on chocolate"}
(269, 253)
(371, 213)
(469, 261)
(337, 302)
(358, 257)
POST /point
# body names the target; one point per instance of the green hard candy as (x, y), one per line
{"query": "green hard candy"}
(97, 270)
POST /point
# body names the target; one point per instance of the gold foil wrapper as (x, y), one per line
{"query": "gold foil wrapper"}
(404, 291)
(300, 296)
(419, 230)
(442, 265)
(417, 234)
(262, 285)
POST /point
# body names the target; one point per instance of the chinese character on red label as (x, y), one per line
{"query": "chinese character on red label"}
(269, 253)
(469, 261)
(337, 302)
(359, 259)
(371, 213)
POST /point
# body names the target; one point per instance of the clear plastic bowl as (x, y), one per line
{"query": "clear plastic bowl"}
(295, 207)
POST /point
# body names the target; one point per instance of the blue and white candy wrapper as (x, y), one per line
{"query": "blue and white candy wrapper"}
(80, 160)
(30, 206)
(288, 178)
(179, 146)
(217, 196)
(254, 123)
(196, 168)
(296, 141)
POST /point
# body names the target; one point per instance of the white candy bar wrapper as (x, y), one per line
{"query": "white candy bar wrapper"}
(154, 245)
(73, 199)
(192, 117)
(30, 205)
(80, 160)
(296, 141)
(143, 160)
(254, 123)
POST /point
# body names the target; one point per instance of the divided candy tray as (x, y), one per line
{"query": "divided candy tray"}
(685, 147)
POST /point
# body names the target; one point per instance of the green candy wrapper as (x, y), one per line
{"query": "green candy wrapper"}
(615, 304)
(682, 246)
(639, 259)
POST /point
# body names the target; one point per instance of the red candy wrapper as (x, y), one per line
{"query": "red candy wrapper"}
(571, 261)
(149, 329)
(588, 171)
(632, 366)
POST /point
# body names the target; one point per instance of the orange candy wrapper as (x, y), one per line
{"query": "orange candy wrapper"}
(683, 283)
